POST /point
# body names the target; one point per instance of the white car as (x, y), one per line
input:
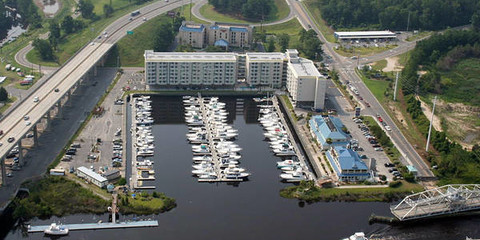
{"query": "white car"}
(36, 99)
(388, 128)
(28, 123)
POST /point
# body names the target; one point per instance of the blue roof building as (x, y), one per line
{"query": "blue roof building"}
(347, 164)
(323, 128)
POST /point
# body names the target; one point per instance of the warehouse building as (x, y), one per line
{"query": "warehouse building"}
(91, 176)
(365, 35)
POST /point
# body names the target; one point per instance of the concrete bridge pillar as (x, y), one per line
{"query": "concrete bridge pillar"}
(35, 136)
(20, 153)
(4, 172)
(59, 109)
(95, 70)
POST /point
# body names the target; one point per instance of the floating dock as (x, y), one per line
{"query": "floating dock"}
(95, 226)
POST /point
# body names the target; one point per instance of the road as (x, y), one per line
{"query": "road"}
(61, 81)
(346, 69)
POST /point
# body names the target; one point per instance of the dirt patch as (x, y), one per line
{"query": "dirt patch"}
(392, 65)
(48, 7)
(398, 115)
(437, 123)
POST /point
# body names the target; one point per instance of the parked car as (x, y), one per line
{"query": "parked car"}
(10, 139)
(378, 149)
(388, 128)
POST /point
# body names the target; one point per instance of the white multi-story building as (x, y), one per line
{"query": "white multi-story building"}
(186, 69)
(304, 83)
(264, 69)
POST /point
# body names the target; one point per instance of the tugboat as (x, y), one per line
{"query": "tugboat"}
(56, 230)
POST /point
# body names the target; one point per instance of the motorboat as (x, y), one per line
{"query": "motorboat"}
(211, 175)
(287, 163)
(204, 150)
(296, 176)
(284, 152)
(56, 230)
(357, 236)
(228, 163)
(233, 169)
(202, 171)
(241, 175)
(204, 158)
(202, 165)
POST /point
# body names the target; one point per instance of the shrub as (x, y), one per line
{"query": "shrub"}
(395, 184)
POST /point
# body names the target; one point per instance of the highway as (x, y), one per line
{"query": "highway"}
(346, 68)
(70, 73)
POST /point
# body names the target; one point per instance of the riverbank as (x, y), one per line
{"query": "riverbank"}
(307, 191)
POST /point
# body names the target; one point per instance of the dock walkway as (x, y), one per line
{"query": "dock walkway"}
(95, 226)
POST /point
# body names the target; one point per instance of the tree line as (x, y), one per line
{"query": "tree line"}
(25, 8)
(250, 9)
(455, 164)
(397, 14)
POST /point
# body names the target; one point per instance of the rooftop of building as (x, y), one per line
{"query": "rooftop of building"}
(189, 56)
(349, 159)
(271, 56)
(91, 174)
(329, 127)
(192, 27)
(364, 33)
(303, 67)
(111, 172)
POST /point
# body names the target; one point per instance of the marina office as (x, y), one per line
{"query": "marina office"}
(301, 78)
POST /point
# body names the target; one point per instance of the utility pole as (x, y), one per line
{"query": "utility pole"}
(408, 21)
(395, 90)
(431, 122)
(191, 10)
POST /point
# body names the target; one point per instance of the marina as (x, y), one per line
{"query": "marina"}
(216, 157)
(282, 142)
(142, 143)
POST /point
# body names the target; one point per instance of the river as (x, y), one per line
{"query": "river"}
(252, 209)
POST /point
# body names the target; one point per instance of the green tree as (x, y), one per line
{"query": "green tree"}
(68, 25)
(107, 10)
(184, 48)
(43, 47)
(163, 37)
(5, 22)
(213, 49)
(3, 94)
(283, 40)
(55, 30)
(475, 20)
(86, 8)
(271, 45)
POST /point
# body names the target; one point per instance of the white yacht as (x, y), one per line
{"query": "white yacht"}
(202, 165)
(287, 163)
(284, 152)
(211, 175)
(296, 176)
(357, 236)
(241, 175)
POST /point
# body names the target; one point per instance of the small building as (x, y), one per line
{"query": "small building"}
(91, 176)
(192, 34)
(111, 174)
(347, 164)
(216, 34)
(328, 131)
(365, 35)
(412, 169)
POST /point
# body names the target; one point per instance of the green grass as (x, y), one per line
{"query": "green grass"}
(363, 51)
(132, 47)
(34, 57)
(392, 153)
(190, 17)
(377, 87)
(314, 12)
(279, 11)
(307, 192)
(56, 195)
(379, 65)
(145, 203)
(292, 28)
(460, 84)
(403, 58)
(418, 36)
(8, 104)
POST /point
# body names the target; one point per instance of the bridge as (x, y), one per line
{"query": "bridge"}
(445, 200)
(53, 91)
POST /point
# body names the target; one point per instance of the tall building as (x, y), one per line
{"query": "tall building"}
(193, 34)
(304, 83)
(216, 34)
(264, 69)
(179, 69)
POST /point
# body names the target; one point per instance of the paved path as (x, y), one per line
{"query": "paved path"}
(21, 57)
(196, 12)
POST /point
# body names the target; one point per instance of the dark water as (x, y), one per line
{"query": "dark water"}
(253, 209)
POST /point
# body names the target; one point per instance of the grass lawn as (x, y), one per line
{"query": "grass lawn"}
(461, 83)
(377, 87)
(366, 194)
(132, 47)
(379, 65)
(314, 12)
(292, 28)
(418, 36)
(363, 51)
(279, 11)
(34, 57)
(187, 14)
(8, 104)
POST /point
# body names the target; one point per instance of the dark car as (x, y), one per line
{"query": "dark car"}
(57, 90)
(1, 132)
(10, 139)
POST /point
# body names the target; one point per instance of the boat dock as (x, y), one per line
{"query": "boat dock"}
(141, 138)
(96, 226)
(215, 158)
(299, 154)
